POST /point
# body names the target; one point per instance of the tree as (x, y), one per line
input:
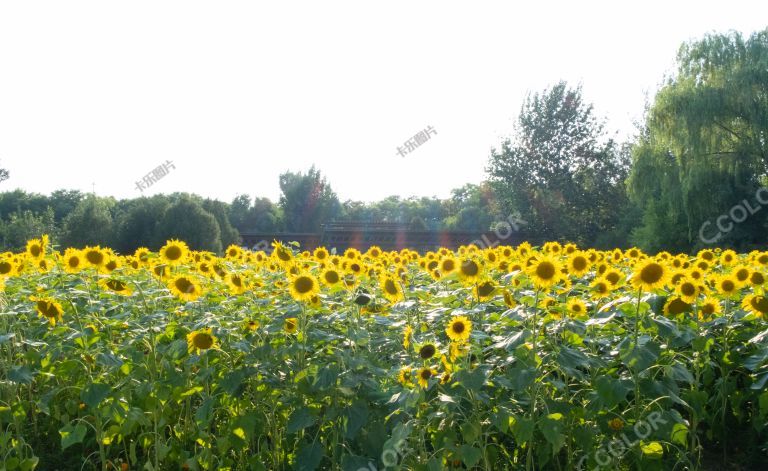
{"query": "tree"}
(307, 201)
(559, 172)
(64, 202)
(26, 225)
(263, 215)
(220, 211)
(186, 220)
(138, 222)
(3, 175)
(90, 223)
(472, 208)
(705, 147)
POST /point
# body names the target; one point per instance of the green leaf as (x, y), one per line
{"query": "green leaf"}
(679, 434)
(309, 456)
(300, 419)
(610, 391)
(472, 380)
(21, 375)
(29, 464)
(570, 360)
(522, 429)
(552, 427)
(357, 416)
(470, 455)
(641, 357)
(71, 435)
(94, 394)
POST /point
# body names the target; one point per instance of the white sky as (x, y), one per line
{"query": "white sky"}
(234, 93)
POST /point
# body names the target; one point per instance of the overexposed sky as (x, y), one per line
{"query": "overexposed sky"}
(97, 94)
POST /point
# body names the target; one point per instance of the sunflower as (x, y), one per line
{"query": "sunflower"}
(174, 252)
(95, 256)
(509, 300)
(675, 305)
(355, 267)
(545, 271)
(459, 329)
(756, 304)
(650, 275)
(578, 264)
(427, 351)
(161, 270)
(424, 375)
(688, 290)
(237, 283)
(709, 307)
(374, 251)
(741, 273)
(112, 264)
(485, 290)
(291, 325)
(233, 252)
(728, 257)
(35, 249)
(613, 276)
(457, 350)
(616, 424)
(303, 286)
(391, 288)
(407, 332)
(405, 376)
(726, 285)
(321, 254)
(142, 255)
(252, 325)
(330, 277)
(706, 254)
(447, 265)
(185, 288)
(7, 268)
(469, 271)
(352, 254)
(577, 308)
(757, 278)
(200, 340)
(600, 288)
(49, 308)
(116, 286)
(206, 269)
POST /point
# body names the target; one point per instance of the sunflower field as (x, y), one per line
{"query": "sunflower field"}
(520, 357)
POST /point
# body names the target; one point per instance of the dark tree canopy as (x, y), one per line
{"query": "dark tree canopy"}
(307, 201)
(559, 172)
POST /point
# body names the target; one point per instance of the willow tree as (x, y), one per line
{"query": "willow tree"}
(705, 146)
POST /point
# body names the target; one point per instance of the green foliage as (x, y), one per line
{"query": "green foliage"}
(90, 223)
(138, 224)
(186, 220)
(219, 210)
(25, 225)
(704, 147)
(307, 201)
(558, 172)
(261, 216)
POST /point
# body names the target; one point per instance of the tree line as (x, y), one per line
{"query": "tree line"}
(693, 175)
